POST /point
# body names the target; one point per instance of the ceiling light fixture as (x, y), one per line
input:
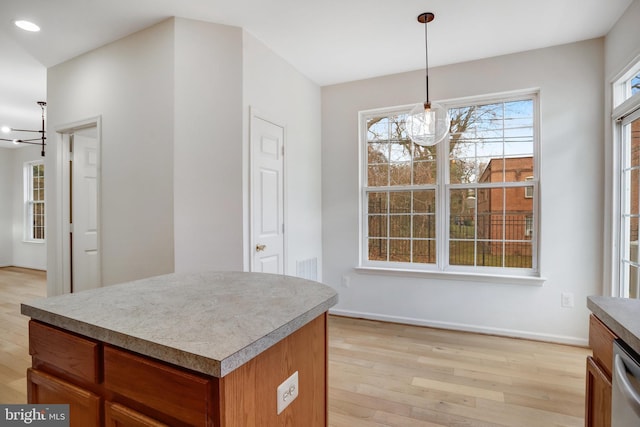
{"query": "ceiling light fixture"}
(428, 123)
(5, 129)
(42, 133)
(27, 26)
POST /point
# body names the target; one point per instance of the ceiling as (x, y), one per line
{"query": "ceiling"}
(330, 41)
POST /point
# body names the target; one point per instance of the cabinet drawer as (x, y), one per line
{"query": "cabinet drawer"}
(71, 353)
(601, 342)
(177, 393)
(116, 415)
(84, 406)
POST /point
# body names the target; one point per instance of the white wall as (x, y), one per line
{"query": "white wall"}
(130, 84)
(622, 44)
(14, 251)
(25, 254)
(622, 49)
(174, 102)
(208, 194)
(277, 90)
(6, 207)
(570, 80)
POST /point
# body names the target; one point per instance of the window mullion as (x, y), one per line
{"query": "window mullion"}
(442, 206)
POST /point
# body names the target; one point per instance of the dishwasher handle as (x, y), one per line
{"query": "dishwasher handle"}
(625, 386)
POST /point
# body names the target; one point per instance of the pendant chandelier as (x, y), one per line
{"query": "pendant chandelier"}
(42, 133)
(428, 123)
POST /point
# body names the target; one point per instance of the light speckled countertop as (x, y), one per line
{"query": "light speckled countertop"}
(621, 315)
(209, 322)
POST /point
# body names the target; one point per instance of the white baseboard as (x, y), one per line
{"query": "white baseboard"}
(29, 267)
(512, 333)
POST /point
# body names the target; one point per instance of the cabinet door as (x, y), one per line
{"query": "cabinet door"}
(84, 406)
(601, 342)
(598, 396)
(77, 356)
(183, 395)
(116, 415)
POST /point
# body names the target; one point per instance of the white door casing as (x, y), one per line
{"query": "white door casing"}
(84, 206)
(267, 196)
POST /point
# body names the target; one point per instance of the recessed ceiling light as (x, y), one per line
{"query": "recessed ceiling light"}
(5, 129)
(27, 26)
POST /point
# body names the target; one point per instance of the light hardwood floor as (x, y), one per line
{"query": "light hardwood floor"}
(16, 286)
(385, 374)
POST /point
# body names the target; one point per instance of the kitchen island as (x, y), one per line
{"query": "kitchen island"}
(206, 349)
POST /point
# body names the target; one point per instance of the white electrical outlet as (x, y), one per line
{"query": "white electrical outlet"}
(567, 299)
(287, 392)
(346, 281)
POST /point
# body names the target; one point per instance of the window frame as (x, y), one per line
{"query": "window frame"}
(625, 108)
(442, 268)
(622, 90)
(621, 254)
(30, 203)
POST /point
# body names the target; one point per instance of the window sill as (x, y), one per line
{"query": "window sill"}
(456, 275)
(36, 242)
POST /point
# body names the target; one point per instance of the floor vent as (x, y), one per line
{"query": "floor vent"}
(307, 269)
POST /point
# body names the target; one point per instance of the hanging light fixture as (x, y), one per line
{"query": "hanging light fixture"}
(42, 133)
(428, 123)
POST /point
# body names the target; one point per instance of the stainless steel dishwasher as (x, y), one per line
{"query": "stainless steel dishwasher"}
(625, 394)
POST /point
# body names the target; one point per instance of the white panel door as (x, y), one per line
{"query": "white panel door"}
(267, 197)
(85, 262)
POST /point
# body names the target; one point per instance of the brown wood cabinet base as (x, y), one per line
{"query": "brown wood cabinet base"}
(109, 386)
(598, 379)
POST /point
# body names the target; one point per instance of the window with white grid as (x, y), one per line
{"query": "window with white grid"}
(467, 204)
(34, 201)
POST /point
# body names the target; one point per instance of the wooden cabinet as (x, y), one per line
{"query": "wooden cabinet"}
(76, 356)
(65, 369)
(84, 406)
(169, 393)
(598, 380)
(598, 396)
(117, 415)
(110, 386)
(105, 385)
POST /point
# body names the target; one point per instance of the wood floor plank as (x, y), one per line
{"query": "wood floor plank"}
(479, 392)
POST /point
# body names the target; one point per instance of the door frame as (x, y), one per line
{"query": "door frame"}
(257, 114)
(62, 249)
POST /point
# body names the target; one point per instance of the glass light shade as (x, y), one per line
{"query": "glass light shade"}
(428, 125)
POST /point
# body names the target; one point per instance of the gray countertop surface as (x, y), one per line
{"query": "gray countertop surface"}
(621, 315)
(209, 322)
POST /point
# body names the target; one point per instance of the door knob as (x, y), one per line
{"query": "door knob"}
(260, 248)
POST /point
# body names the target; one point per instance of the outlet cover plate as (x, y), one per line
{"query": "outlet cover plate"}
(287, 392)
(567, 300)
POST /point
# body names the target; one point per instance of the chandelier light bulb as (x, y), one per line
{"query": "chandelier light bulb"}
(428, 124)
